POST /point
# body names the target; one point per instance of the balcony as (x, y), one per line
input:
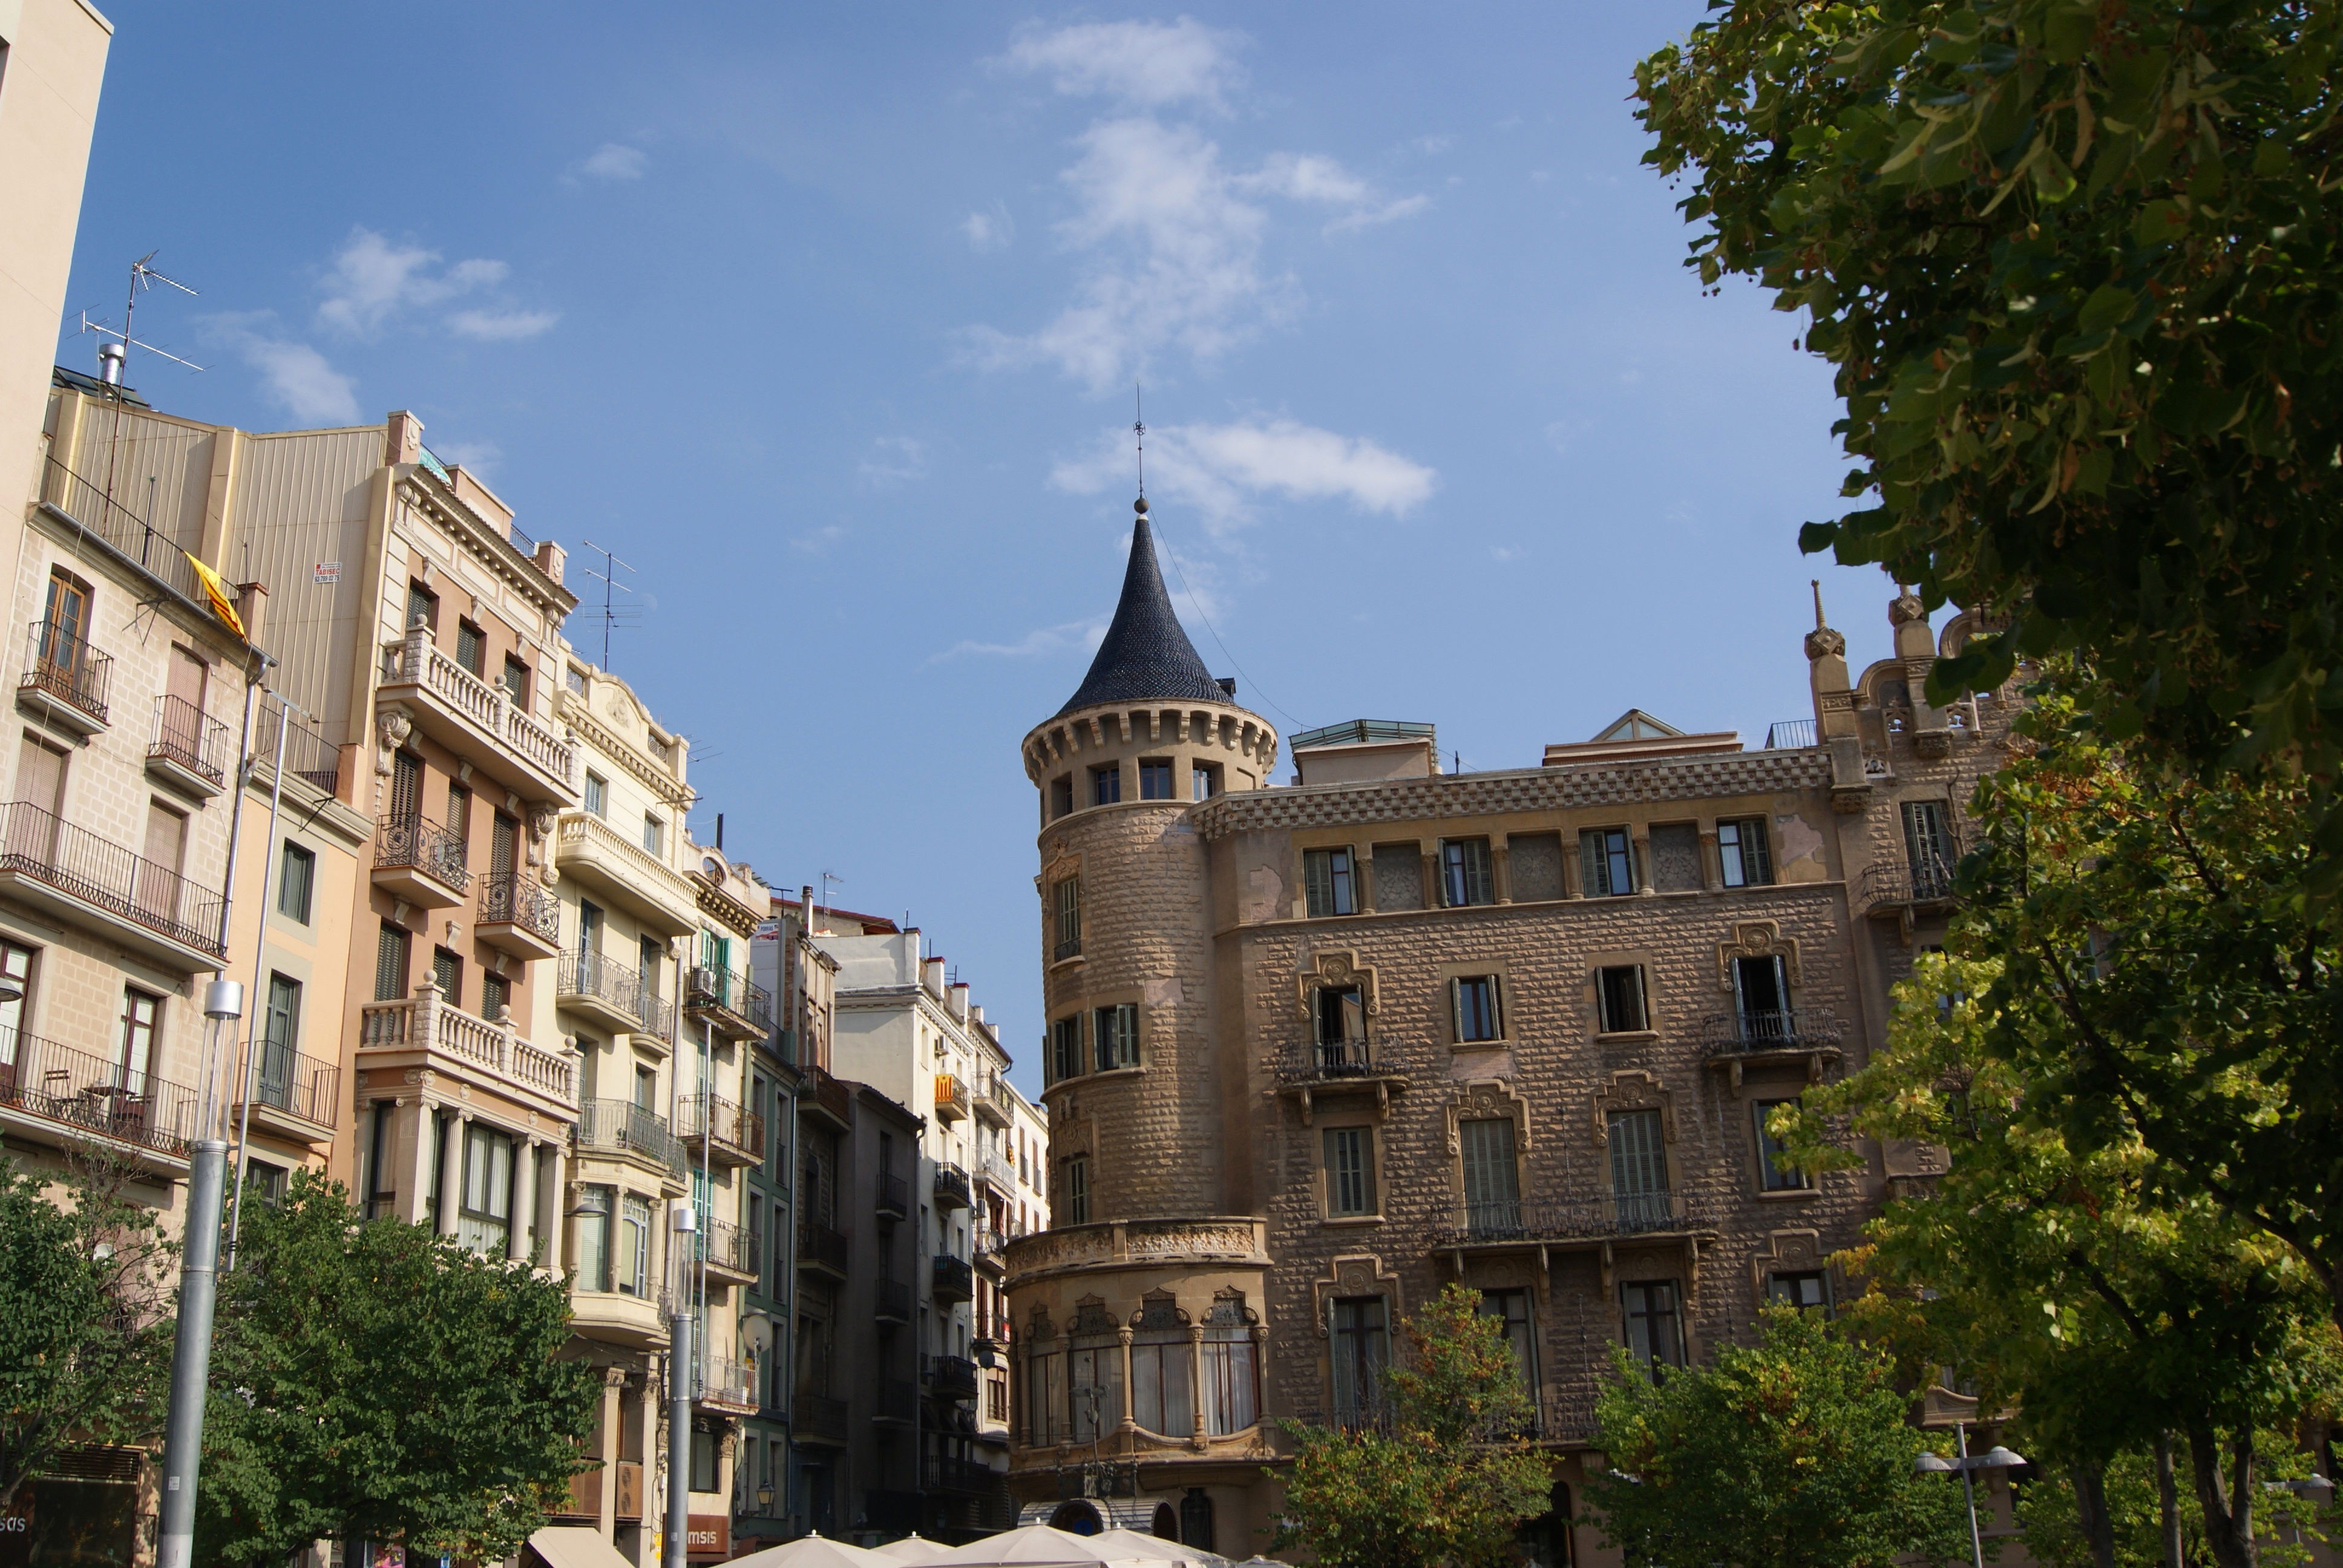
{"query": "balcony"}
(188, 749)
(894, 1303)
(827, 1096)
(725, 999)
(953, 1280)
(292, 1095)
(1310, 1070)
(65, 680)
(622, 873)
(967, 1477)
(618, 1317)
(477, 719)
(427, 1026)
(951, 1377)
(723, 1383)
(951, 1098)
(1805, 1034)
(1790, 735)
(1584, 1221)
(50, 1094)
(613, 995)
(818, 1418)
(308, 755)
(819, 1247)
(996, 1104)
(952, 1186)
(1903, 893)
(519, 915)
(621, 1128)
(987, 1244)
(713, 1126)
(898, 1403)
(997, 1172)
(100, 885)
(894, 1196)
(1071, 948)
(420, 862)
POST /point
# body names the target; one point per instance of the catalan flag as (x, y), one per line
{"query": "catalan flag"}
(216, 590)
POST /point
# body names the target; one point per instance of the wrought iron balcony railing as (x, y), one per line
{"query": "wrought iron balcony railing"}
(618, 986)
(954, 1278)
(308, 755)
(95, 1096)
(729, 991)
(1771, 1028)
(1506, 1220)
(1323, 1060)
(727, 1246)
(65, 669)
(894, 1194)
(622, 1127)
(952, 1186)
(420, 844)
(302, 1086)
(515, 898)
(738, 1134)
(189, 737)
(77, 862)
(1889, 888)
(819, 1244)
(952, 1377)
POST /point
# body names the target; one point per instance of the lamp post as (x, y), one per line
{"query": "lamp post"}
(1994, 1458)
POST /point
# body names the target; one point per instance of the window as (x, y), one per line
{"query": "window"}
(1077, 1191)
(280, 1026)
(460, 812)
(598, 795)
(496, 995)
(1619, 989)
(654, 833)
(1066, 908)
(139, 1011)
(16, 968)
(1196, 1519)
(1203, 781)
(1350, 1173)
(40, 782)
(1929, 848)
(594, 1239)
(996, 1398)
(1476, 1009)
(1163, 1397)
(166, 852)
(1639, 1168)
(647, 954)
(704, 1446)
(1608, 863)
(484, 1218)
(1327, 876)
(1061, 794)
(1066, 1047)
(1653, 1333)
(1341, 1030)
(1773, 1176)
(390, 963)
(516, 682)
(422, 607)
(1232, 1372)
(266, 1181)
(1106, 785)
(1116, 1032)
(1493, 1193)
(448, 974)
(634, 1245)
(1512, 1308)
(1808, 1291)
(1155, 781)
(471, 647)
(65, 625)
(296, 882)
(1742, 853)
(1761, 1001)
(575, 679)
(1465, 873)
(1094, 1378)
(1360, 1352)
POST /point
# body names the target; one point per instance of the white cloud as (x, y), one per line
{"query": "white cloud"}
(613, 160)
(992, 230)
(1147, 64)
(480, 457)
(502, 325)
(1033, 644)
(894, 460)
(374, 280)
(293, 375)
(1222, 469)
(818, 541)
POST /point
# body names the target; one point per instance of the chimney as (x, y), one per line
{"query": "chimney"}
(956, 997)
(403, 440)
(251, 600)
(931, 975)
(109, 363)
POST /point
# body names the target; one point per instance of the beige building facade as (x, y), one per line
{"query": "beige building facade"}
(1318, 1049)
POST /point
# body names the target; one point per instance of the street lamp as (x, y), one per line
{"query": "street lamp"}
(765, 1496)
(1995, 1458)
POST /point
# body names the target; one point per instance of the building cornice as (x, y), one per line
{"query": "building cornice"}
(492, 547)
(1441, 796)
(724, 909)
(579, 715)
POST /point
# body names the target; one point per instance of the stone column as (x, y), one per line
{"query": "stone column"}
(1434, 891)
(1574, 853)
(1641, 837)
(1363, 878)
(411, 1150)
(553, 1170)
(1130, 1421)
(1500, 870)
(1712, 860)
(1197, 1437)
(451, 1172)
(524, 1200)
(614, 1381)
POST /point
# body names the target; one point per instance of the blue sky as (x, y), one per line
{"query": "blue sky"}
(826, 318)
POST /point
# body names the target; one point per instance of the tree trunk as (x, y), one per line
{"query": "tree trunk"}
(2229, 1517)
(2091, 1503)
(2167, 1499)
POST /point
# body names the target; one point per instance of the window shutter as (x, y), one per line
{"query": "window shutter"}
(1756, 854)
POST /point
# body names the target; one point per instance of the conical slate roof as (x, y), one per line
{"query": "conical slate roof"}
(1146, 654)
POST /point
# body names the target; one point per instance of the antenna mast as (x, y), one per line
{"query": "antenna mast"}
(1139, 434)
(612, 612)
(142, 276)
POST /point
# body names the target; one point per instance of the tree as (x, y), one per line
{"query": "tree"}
(2077, 263)
(1790, 1453)
(85, 1329)
(1451, 1478)
(370, 1379)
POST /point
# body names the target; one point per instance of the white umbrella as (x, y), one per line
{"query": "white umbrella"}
(816, 1551)
(1032, 1546)
(1132, 1543)
(915, 1549)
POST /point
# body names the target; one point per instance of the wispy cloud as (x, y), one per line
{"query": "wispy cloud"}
(1170, 236)
(818, 541)
(502, 325)
(480, 457)
(374, 283)
(894, 460)
(991, 229)
(1150, 64)
(615, 161)
(1033, 644)
(1221, 470)
(293, 375)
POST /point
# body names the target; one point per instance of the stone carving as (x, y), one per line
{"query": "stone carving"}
(1336, 968)
(1362, 1274)
(1823, 643)
(1634, 1089)
(1905, 608)
(1755, 939)
(1785, 1252)
(1485, 1099)
(1159, 1310)
(393, 725)
(541, 821)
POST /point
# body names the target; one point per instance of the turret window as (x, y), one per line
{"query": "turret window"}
(1203, 781)
(1074, 1193)
(1116, 1031)
(1155, 781)
(1066, 913)
(1106, 785)
(1066, 1048)
(1061, 796)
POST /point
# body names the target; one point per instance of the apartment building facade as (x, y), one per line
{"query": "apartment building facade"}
(1317, 1049)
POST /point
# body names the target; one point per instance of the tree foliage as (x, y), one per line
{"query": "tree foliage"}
(2077, 263)
(372, 1379)
(1791, 1453)
(84, 1324)
(1448, 1481)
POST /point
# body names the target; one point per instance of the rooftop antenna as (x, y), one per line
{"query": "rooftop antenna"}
(612, 612)
(826, 878)
(1139, 436)
(112, 355)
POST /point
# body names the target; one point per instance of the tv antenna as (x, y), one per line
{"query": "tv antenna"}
(613, 612)
(112, 357)
(1139, 434)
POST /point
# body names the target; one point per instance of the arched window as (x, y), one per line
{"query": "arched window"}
(1196, 1520)
(1079, 1517)
(1167, 1523)
(1162, 1393)
(1231, 1368)
(1045, 1382)
(1094, 1371)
